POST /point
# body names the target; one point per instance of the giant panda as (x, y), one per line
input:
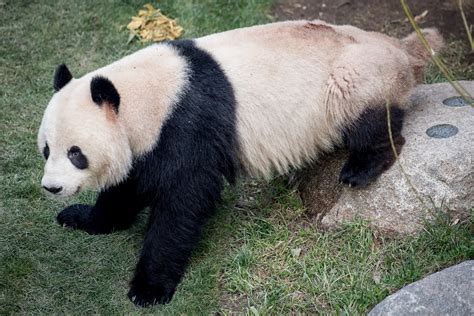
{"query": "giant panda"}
(165, 126)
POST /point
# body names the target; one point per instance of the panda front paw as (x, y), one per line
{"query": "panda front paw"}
(77, 216)
(364, 168)
(144, 294)
(356, 175)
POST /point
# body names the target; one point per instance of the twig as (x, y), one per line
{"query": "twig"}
(466, 25)
(395, 153)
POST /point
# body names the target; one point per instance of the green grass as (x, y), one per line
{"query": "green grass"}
(458, 60)
(285, 264)
(265, 256)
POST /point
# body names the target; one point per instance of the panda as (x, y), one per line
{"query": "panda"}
(166, 126)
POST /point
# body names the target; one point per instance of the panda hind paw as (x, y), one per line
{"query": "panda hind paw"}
(143, 294)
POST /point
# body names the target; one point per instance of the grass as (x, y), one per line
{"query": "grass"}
(440, 66)
(285, 264)
(455, 56)
(263, 257)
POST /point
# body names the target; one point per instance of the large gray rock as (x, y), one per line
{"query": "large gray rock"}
(448, 292)
(440, 170)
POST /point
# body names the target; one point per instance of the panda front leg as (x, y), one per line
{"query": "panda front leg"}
(174, 231)
(368, 142)
(115, 209)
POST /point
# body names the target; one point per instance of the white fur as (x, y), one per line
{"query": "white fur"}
(149, 83)
(70, 120)
(298, 82)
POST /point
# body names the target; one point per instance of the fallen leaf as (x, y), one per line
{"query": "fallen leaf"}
(135, 24)
(152, 25)
(421, 16)
(131, 37)
(296, 252)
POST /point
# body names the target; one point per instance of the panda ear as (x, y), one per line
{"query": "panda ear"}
(103, 92)
(62, 76)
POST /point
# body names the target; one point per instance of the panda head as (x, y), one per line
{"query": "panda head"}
(81, 136)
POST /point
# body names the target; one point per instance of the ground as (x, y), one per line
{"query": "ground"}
(387, 16)
(260, 254)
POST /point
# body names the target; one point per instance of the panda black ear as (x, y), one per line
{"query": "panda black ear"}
(62, 76)
(103, 91)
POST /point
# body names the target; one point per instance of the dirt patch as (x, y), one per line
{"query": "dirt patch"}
(387, 16)
(232, 303)
(319, 187)
(375, 15)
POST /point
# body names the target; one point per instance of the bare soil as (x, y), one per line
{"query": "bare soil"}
(387, 16)
(379, 15)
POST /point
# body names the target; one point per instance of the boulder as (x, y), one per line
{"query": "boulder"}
(437, 163)
(448, 292)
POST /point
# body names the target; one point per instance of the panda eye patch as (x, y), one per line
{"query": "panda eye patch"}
(77, 158)
(46, 151)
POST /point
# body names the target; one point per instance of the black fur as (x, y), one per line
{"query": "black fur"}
(370, 151)
(103, 91)
(115, 209)
(46, 151)
(62, 76)
(77, 158)
(180, 179)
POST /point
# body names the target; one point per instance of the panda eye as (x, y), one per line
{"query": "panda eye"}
(77, 158)
(46, 151)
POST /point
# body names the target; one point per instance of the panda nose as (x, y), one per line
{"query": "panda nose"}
(53, 190)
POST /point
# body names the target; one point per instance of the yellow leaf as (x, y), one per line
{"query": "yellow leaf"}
(149, 7)
(135, 24)
(152, 25)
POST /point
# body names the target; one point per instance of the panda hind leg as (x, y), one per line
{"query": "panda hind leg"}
(368, 142)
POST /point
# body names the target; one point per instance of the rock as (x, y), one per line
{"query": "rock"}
(448, 292)
(438, 166)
